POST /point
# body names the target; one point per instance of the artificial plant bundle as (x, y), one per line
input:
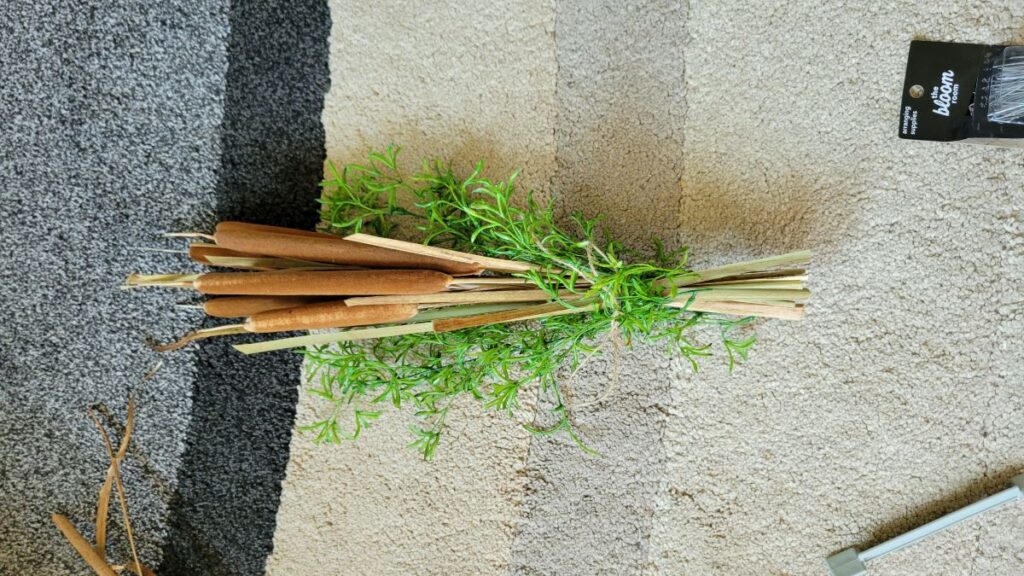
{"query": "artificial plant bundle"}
(497, 297)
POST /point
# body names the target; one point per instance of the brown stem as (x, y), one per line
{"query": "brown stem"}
(82, 546)
(199, 335)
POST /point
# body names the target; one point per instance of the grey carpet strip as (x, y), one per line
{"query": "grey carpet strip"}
(619, 152)
(123, 120)
(243, 408)
(110, 135)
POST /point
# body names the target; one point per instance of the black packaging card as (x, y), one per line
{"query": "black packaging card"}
(969, 92)
(939, 90)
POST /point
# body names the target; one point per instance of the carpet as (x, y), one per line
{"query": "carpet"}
(742, 131)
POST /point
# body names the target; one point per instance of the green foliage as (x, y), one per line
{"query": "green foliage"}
(493, 364)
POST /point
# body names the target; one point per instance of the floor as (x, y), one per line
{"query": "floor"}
(119, 122)
(742, 130)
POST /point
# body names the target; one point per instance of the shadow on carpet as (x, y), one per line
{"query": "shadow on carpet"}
(223, 514)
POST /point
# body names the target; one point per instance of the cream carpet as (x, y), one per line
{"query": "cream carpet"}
(743, 130)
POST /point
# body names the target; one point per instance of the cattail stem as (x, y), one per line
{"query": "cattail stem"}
(461, 297)
(189, 235)
(344, 336)
(495, 264)
(200, 335)
(162, 280)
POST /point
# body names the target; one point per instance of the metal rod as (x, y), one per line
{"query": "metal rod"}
(852, 562)
(939, 524)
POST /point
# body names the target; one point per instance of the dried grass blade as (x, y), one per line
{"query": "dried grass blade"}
(82, 546)
(457, 311)
(123, 498)
(102, 510)
(459, 297)
(781, 303)
(770, 282)
(745, 309)
(332, 337)
(227, 330)
(190, 235)
(103, 501)
(495, 264)
(763, 275)
(752, 266)
(754, 285)
(521, 314)
(501, 281)
(168, 280)
(115, 462)
(129, 427)
(720, 294)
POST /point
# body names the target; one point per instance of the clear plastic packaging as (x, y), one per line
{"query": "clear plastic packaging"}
(1006, 101)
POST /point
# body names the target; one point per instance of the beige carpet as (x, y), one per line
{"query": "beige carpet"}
(464, 82)
(743, 130)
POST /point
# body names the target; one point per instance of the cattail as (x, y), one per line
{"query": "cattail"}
(316, 247)
(323, 283)
(236, 225)
(213, 255)
(242, 306)
(334, 314)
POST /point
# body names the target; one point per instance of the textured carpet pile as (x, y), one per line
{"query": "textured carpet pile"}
(122, 121)
(740, 129)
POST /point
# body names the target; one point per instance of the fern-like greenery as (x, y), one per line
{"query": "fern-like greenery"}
(494, 363)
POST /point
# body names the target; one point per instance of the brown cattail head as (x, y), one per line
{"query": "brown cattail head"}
(334, 314)
(316, 247)
(242, 306)
(232, 225)
(323, 283)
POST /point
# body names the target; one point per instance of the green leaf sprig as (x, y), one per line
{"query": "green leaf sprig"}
(493, 363)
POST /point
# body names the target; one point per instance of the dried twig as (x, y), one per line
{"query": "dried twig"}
(95, 556)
